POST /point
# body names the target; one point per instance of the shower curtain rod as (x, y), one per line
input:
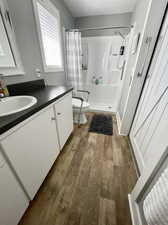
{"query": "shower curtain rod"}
(101, 28)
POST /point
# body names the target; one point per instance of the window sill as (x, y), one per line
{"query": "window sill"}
(53, 70)
(13, 73)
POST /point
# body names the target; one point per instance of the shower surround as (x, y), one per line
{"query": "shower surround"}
(102, 63)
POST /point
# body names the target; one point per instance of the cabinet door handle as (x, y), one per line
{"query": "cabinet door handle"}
(53, 118)
(58, 114)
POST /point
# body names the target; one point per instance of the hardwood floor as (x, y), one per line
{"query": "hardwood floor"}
(88, 184)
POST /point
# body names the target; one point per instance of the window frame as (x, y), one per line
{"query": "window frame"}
(48, 5)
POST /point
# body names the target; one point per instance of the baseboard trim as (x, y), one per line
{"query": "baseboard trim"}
(134, 211)
(100, 110)
(134, 158)
(119, 124)
(131, 209)
(132, 206)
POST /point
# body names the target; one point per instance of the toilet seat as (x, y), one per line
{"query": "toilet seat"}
(77, 104)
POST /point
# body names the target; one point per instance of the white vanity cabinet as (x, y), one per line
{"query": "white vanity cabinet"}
(32, 150)
(33, 145)
(64, 115)
(13, 200)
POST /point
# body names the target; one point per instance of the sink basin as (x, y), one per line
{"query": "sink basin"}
(11, 105)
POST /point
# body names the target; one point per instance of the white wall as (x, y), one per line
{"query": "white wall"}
(27, 40)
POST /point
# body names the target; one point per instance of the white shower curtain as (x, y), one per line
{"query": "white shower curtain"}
(74, 59)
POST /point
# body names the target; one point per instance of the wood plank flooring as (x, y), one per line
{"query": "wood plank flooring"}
(88, 184)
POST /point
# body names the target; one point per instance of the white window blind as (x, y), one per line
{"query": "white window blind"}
(50, 37)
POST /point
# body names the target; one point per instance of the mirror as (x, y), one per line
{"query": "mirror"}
(6, 55)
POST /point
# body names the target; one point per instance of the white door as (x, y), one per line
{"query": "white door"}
(64, 117)
(149, 130)
(13, 201)
(32, 150)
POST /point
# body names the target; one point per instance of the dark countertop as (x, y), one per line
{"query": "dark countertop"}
(45, 96)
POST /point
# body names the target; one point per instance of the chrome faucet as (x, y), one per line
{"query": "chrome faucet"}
(3, 88)
(2, 96)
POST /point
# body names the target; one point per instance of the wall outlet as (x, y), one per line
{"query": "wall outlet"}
(38, 73)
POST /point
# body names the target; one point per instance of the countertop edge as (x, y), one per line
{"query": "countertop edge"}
(17, 121)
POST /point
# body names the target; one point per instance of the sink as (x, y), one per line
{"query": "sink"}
(14, 104)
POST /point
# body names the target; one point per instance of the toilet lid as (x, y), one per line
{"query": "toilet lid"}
(77, 103)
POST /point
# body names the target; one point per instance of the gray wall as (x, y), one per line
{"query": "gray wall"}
(103, 21)
(27, 40)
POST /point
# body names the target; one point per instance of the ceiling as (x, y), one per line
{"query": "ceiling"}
(80, 8)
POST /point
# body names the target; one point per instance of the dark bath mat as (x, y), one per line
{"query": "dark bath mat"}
(101, 124)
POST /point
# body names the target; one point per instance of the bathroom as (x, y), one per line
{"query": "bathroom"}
(83, 112)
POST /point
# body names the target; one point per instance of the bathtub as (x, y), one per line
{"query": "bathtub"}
(104, 97)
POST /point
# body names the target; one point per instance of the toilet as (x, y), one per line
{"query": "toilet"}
(76, 111)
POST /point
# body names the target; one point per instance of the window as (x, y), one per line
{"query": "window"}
(48, 26)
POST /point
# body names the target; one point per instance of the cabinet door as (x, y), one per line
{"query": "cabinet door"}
(32, 150)
(64, 117)
(13, 201)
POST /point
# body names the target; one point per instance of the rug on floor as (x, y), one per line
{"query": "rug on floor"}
(101, 124)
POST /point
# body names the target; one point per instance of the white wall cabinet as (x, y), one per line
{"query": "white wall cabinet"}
(32, 150)
(13, 201)
(64, 117)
